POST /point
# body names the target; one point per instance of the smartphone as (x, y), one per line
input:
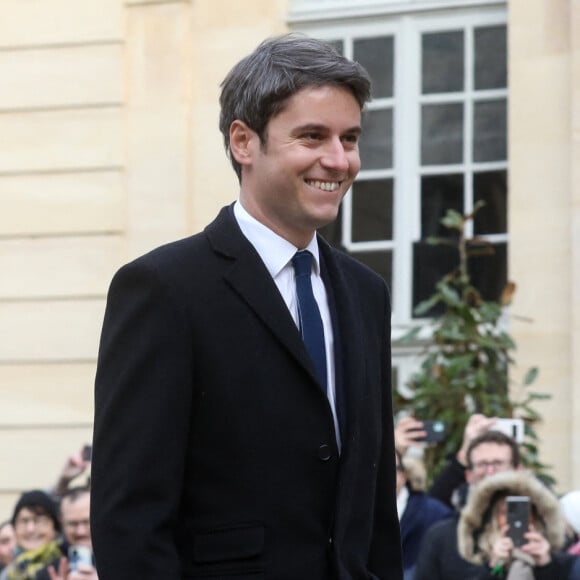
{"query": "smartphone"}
(435, 431)
(513, 428)
(87, 452)
(79, 555)
(518, 518)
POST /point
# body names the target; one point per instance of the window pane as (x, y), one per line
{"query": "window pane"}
(491, 187)
(443, 68)
(488, 272)
(332, 232)
(337, 44)
(490, 58)
(442, 134)
(490, 131)
(381, 262)
(438, 194)
(372, 210)
(376, 144)
(376, 55)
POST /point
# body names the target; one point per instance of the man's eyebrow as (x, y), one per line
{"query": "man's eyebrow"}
(355, 130)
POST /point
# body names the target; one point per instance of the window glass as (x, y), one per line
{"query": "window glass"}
(438, 194)
(442, 134)
(491, 187)
(490, 131)
(376, 55)
(376, 143)
(442, 62)
(372, 210)
(381, 262)
(490, 58)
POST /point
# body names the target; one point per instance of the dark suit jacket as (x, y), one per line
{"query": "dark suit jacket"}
(214, 446)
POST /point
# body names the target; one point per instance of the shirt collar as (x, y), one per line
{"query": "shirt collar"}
(275, 251)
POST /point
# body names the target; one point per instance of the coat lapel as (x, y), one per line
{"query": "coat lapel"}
(249, 278)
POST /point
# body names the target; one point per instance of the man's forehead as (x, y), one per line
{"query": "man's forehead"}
(491, 450)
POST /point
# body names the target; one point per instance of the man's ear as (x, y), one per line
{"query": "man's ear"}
(243, 142)
(468, 476)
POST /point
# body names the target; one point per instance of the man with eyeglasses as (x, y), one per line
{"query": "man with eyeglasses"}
(489, 453)
(74, 509)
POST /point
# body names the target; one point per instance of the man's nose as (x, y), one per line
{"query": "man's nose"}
(334, 156)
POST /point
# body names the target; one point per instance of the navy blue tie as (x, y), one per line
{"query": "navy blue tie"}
(309, 315)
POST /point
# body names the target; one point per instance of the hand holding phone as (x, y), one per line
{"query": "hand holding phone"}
(435, 431)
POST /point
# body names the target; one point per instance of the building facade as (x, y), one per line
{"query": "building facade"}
(109, 146)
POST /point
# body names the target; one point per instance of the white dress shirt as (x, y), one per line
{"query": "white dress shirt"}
(277, 254)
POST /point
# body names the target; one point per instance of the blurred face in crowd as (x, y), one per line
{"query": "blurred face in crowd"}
(7, 543)
(487, 459)
(75, 519)
(33, 528)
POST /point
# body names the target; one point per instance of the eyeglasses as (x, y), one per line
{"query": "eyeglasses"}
(73, 525)
(39, 520)
(485, 465)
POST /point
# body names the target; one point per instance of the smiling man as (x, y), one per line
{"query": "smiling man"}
(243, 423)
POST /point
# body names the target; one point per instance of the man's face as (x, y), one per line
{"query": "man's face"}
(487, 459)
(7, 544)
(75, 520)
(294, 181)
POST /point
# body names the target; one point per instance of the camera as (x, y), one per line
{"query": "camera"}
(518, 516)
(514, 428)
(435, 431)
(79, 555)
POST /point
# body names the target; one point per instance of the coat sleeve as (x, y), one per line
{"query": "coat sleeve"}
(386, 557)
(143, 397)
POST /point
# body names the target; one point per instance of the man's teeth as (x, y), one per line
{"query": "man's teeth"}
(325, 185)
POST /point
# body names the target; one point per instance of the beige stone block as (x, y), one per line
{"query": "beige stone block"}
(50, 330)
(63, 75)
(35, 22)
(62, 267)
(33, 457)
(58, 203)
(159, 123)
(46, 394)
(63, 140)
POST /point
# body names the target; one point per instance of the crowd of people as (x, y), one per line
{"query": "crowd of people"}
(460, 530)
(48, 536)
(455, 530)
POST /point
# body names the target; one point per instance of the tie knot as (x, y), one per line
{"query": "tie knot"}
(302, 262)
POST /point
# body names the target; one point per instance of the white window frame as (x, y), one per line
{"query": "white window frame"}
(406, 22)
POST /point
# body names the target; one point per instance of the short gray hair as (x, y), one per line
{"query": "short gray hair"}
(257, 88)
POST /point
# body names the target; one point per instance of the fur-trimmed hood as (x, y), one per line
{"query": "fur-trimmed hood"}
(476, 529)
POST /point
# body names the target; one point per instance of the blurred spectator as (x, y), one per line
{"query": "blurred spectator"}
(570, 506)
(417, 513)
(37, 526)
(483, 538)
(451, 485)
(75, 465)
(439, 559)
(75, 509)
(7, 544)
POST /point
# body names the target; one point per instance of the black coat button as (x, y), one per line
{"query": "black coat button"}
(324, 452)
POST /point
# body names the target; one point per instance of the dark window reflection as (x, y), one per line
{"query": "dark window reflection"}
(376, 144)
(438, 194)
(490, 131)
(490, 187)
(490, 58)
(442, 134)
(381, 262)
(443, 68)
(376, 55)
(372, 210)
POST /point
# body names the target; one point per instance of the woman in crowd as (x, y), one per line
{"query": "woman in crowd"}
(483, 531)
(37, 529)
